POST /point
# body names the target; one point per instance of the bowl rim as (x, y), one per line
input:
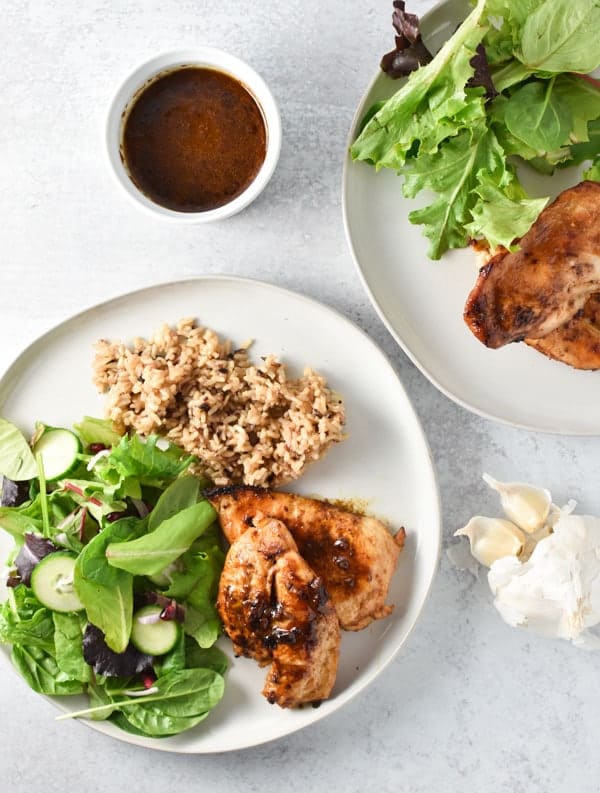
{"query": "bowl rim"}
(162, 63)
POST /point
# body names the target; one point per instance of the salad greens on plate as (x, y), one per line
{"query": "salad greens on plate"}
(112, 583)
(509, 86)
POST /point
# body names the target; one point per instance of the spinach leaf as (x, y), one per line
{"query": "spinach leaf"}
(203, 623)
(173, 661)
(92, 430)
(145, 460)
(68, 634)
(536, 115)
(151, 553)
(106, 592)
(178, 496)
(16, 458)
(154, 723)
(41, 672)
(23, 620)
(122, 723)
(204, 657)
(100, 698)
(178, 701)
(198, 567)
(562, 36)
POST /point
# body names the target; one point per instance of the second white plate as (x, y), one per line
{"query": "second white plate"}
(422, 301)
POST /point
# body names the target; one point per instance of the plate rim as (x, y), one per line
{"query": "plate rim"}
(437, 525)
(383, 316)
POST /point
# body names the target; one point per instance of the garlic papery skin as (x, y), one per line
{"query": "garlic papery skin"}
(492, 538)
(556, 593)
(525, 505)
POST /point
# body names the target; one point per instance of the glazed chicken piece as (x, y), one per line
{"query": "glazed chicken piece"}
(355, 556)
(543, 285)
(577, 343)
(276, 610)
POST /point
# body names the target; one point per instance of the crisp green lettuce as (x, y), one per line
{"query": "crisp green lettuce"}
(146, 460)
(444, 137)
(423, 110)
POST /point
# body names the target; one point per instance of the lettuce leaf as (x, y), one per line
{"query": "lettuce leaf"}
(469, 174)
(144, 459)
(593, 172)
(443, 137)
(423, 110)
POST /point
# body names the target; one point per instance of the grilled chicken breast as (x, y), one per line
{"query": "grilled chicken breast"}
(276, 610)
(577, 343)
(543, 285)
(354, 556)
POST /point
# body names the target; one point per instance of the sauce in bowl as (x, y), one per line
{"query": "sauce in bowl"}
(193, 139)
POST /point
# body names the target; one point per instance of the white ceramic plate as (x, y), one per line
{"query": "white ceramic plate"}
(422, 301)
(385, 460)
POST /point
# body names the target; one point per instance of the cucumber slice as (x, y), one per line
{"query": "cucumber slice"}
(52, 582)
(58, 449)
(152, 635)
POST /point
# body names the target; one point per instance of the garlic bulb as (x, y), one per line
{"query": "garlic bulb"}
(492, 538)
(525, 505)
(557, 592)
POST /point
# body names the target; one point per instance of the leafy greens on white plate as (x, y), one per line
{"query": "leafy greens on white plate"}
(112, 583)
(510, 83)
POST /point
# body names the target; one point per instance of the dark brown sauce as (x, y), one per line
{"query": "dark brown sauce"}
(194, 139)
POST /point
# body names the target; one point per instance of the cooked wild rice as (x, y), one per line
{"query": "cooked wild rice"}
(246, 423)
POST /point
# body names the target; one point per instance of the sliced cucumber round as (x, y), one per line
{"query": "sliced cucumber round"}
(58, 449)
(52, 583)
(152, 635)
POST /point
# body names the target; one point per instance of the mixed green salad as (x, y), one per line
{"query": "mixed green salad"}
(112, 583)
(509, 86)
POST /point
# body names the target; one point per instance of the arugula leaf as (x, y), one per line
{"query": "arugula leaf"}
(68, 633)
(151, 553)
(145, 460)
(106, 592)
(92, 430)
(561, 36)
(16, 458)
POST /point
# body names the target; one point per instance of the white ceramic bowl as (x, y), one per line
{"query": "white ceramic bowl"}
(196, 56)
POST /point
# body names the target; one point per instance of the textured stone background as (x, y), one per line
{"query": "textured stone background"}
(470, 704)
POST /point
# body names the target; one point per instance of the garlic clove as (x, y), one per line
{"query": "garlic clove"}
(492, 538)
(525, 505)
